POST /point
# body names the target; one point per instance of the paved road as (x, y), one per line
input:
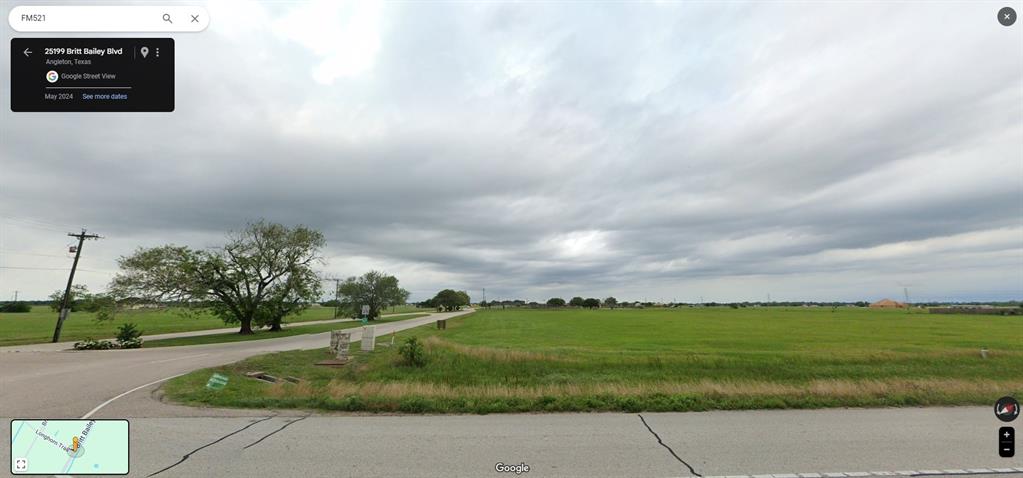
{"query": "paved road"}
(59, 346)
(572, 445)
(73, 384)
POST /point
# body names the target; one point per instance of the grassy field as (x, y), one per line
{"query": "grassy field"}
(653, 359)
(37, 326)
(264, 334)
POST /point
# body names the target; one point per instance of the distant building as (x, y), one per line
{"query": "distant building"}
(887, 304)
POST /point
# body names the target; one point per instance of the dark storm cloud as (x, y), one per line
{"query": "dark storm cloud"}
(676, 150)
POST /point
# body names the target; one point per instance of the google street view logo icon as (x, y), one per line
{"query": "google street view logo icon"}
(52, 76)
(1006, 409)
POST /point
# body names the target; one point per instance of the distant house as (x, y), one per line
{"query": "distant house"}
(887, 304)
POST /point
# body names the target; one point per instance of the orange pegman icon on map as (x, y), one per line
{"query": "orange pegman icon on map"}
(74, 443)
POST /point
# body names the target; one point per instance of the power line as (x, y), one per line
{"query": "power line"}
(39, 224)
(57, 269)
(37, 268)
(4, 253)
(37, 221)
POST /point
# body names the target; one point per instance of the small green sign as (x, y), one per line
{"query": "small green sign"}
(216, 382)
(365, 321)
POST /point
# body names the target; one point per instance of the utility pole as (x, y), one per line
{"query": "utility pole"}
(15, 296)
(65, 304)
(905, 292)
(337, 297)
(337, 291)
(484, 295)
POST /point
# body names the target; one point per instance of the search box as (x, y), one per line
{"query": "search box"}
(108, 19)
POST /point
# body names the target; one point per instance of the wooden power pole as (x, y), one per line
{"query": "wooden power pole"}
(66, 302)
(337, 297)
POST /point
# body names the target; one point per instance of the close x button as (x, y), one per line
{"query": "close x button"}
(1006, 442)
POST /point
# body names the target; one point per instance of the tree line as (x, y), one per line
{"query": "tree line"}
(588, 303)
(448, 299)
(260, 276)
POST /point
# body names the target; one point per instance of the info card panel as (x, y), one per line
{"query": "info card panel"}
(92, 74)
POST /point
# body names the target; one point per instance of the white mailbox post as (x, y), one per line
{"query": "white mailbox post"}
(369, 338)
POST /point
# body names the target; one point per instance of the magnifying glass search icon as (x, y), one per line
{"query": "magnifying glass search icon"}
(167, 18)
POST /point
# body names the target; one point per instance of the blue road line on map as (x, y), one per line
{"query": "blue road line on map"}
(16, 433)
(71, 463)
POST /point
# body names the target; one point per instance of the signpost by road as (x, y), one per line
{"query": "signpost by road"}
(365, 314)
(216, 382)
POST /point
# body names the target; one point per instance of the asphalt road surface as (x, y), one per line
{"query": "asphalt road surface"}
(177, 441)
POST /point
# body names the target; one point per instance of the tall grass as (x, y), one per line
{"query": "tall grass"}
(503, 361)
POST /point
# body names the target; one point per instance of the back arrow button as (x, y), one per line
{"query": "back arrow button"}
(26, 52)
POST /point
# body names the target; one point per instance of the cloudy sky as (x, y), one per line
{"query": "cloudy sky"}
(660, 151)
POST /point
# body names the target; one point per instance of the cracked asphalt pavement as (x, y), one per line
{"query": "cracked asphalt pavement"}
(570, 445)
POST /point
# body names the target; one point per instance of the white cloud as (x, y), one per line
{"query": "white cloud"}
(723, 150)
(344, 35)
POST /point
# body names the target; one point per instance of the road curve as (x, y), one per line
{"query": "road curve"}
(71, 383)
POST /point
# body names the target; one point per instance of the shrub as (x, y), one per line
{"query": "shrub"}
(130, 343)
(412, 353)
(93, 344)
(15, 307)
(128, 336)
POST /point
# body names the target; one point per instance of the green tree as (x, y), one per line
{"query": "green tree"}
(289, 297)
(450, 299)
(375, 289)
(79, 293)
(81, 300)
(261, 275)
(591, 303)
(610, 302)
(556, 302)
(576, 302)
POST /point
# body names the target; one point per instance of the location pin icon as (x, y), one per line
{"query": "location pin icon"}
(144, 50)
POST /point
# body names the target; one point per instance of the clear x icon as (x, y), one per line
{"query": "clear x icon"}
(1007, 16)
